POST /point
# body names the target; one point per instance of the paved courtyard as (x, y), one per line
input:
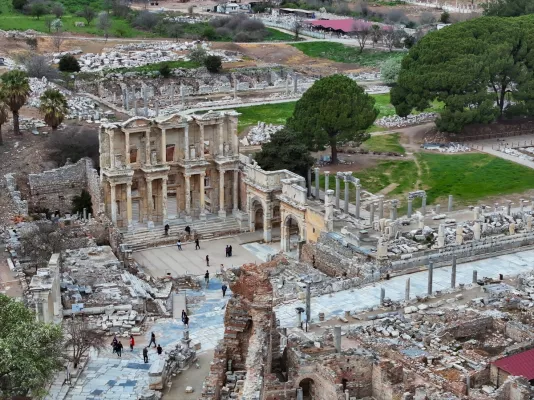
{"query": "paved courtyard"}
(162, 260)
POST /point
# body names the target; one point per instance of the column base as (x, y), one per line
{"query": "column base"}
(188, 218)
(203, 216)
(150, 224)
(267, 237)
(222, 213)
(130, 226)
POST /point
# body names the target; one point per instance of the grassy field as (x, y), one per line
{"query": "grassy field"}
(384, 143)
(276, 35)
(269, 113)
(120, 27)
(378, 177)
(470, 177)
(156, 67)
(345, 54)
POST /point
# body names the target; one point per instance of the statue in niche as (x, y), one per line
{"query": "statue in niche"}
(153, 157)
(226, 148)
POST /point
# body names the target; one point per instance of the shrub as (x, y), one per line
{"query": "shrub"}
(38, 9)
(32, 43)
(198, 55)
(19, 4)
(165, 70)
(445, 17)
(223, 32)
(240, 28)
(389, 70)
(38, 67)
(58, 10)
(146, 20)
(427, 18)
(69, 63)
(208, 33)
(213, 63)
(396, 16)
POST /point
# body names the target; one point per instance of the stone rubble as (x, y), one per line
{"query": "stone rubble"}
(261, 133)
(394, 121)
(451, 147)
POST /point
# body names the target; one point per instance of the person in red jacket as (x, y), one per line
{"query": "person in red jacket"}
(132, 342)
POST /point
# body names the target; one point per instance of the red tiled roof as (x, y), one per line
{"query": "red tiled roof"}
(344, 25)
(521, 364)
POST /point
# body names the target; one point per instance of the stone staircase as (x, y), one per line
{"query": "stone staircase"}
(142, 237)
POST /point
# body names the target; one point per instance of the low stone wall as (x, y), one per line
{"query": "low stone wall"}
(11, 185)
(55, 189)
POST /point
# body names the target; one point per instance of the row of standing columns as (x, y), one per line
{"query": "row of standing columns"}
(129, 96)
(346, 201)
(430, 281)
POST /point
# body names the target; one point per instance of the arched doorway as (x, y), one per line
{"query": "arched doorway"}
(256, 215)
(258, 218)
(291, 233)
(307, 386)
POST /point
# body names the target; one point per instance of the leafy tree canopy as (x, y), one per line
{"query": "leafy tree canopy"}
(508, 8)
(284, 151)
(481, 69)
(334, 109)
(31, 351)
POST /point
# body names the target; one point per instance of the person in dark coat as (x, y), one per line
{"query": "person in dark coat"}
(145, 354)
(152, 339)
(223, 288)
(186, 321)
(197, 244)
(227, 251)
(167, 227)
(119, 348)
(188, 230)
(159, 349)
(207, 277)
(184, 314)
(114, 343)
(207, 261)
(230, 251)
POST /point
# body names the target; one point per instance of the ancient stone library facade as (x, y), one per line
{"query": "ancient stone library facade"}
(154, 170)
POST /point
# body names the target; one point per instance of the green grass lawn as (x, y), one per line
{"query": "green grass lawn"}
(156, 66)
(378, 177)
(269, 113)
(19, 22)
(469, 177)
(384, 143)
(346, 54)
(276, 35)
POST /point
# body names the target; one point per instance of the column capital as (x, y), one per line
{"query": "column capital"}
(149, 179)
(129, 184)
(112, 184)
(326, 172)
(165, 179)
(203, 173)
(187, 175)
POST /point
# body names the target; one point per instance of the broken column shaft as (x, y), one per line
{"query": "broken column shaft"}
(453, 272)
(337, 338)
(430, 277)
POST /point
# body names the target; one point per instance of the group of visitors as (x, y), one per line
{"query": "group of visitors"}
(117, 346)
(228, 251)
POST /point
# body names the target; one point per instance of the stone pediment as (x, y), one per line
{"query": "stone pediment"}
(136, 122)
(173, 120)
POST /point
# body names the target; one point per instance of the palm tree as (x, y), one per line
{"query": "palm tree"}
(4, 115)
(16, 89)
(54, 107)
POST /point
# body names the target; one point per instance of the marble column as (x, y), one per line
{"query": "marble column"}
(423, 205)
(129, 204)
(358, 194)
(453, 272)
(337, 191)
(182, 95)
(145, 102)
(393, 210)
(221, 140)
(164, 199)
(111, 150)
(409, 213)
(407, 290)
(326, 180)
(267, 222)
(222, 211)
(381, 207)
(317, 191)
(150, 200)
(449, 207)
(113, 202)
(187, 197)
(164, 146)
(202, 200)
(186, 142)
(147, 147)
(309, 183)
(371, 213)
(172, 93)
(346, 205)
(201, 146)
(126, 148)
(235, 192)
(430, 277)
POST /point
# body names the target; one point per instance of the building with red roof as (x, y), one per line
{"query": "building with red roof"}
(521, 364)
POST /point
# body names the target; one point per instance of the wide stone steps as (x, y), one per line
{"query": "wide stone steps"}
(144, 238)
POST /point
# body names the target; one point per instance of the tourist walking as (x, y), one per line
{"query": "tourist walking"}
(159, 349)
(152, 339)
(132, 342)
(186, 321)
(207, 261)
(167, 227)
(145, 354)
(184, 314)
(197, 244)
(223, 288)
(188, 230)
(179, 245)
(114, 344)
(207, 277)
(230, 251)
(119, 349)
(227, 251)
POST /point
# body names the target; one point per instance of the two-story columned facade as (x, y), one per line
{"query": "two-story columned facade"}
(178, 167)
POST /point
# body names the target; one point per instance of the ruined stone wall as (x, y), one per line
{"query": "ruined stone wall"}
(470, 328)
(518, 331)
(54, 189)
(514, 388)
(21, 206)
